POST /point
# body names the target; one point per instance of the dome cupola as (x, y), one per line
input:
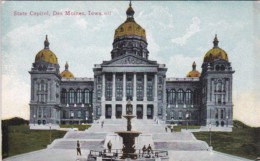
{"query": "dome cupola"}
(130, 37)
(66, 73)
(194, 72)
(215, 53)
(46, 55)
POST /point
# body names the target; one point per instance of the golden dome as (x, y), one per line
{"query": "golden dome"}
(66, 73)
(46, 54)
(194, 72)
(215, 53)
(130, 27)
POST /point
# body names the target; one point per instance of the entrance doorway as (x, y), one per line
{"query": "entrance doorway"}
(108, 111)
(149, 111)
(118, 111)
(139, 112)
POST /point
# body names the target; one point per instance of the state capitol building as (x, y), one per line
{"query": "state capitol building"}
(199, 98)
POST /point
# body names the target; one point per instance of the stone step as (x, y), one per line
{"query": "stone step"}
(72, 144)
(181, 145)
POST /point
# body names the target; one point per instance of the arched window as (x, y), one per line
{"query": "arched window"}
(71, 96)
(63, 96)
(86, 96)
(222, 114)
(172, 96)
(216, 114)
(188, 98)
(219, 86)
(79, 96)
(180, 96)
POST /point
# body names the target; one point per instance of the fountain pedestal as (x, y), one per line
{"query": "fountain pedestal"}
(129, 136)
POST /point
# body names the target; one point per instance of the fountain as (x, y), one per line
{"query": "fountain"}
(129, 135)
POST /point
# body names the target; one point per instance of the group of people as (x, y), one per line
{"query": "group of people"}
(147, 150)
(171, 128)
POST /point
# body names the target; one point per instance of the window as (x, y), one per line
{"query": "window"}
(79, 114)
(139, 93)
(180, 115)
(71, 114)
(71, 96)
(129, 91)
(79, 96)
(108, 91)
(86, 96)
(222, 114)
(172, 96)
(188, 99)
(119, 90)
(150, 93)
(180, 96)
(63, 96)
(216, 114)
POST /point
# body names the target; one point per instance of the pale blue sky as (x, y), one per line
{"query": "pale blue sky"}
(178, 32)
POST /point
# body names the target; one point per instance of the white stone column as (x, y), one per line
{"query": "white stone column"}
(114, 97)
(145, 110)
(145, 97)
(155, 108)
(103, 97)
(124, 86)
(164, 98)
(114, 87)
(49, 90)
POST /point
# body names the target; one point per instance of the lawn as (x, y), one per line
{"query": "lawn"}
(178, 128)
(244, 142)
(22, 140)
(80, 127)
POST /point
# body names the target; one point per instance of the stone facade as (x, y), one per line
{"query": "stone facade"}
(197, 99)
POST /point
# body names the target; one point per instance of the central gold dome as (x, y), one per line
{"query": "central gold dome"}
(130, 27)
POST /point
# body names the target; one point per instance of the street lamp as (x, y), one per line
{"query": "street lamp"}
(187, 116)
(34, 116)
(227, 120)
(50, 131)
(209, 134)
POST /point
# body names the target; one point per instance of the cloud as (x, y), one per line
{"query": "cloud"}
(179, 65)
(15, 97)
(247, 107)
(190, 31)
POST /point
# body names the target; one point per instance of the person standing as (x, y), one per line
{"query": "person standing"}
(149, 149)
(144, 150)
(78, 148)
(165, 128)
(109, 146)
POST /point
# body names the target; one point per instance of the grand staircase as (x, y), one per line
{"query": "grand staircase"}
(96, 137)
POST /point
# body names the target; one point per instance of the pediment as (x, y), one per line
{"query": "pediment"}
(130, 60)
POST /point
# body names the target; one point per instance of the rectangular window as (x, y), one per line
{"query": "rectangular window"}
(79, 114)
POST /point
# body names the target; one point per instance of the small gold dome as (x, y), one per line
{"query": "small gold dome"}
(194, 72)
(46, 54)
(66, 73)
(130, 27)
(215, 53)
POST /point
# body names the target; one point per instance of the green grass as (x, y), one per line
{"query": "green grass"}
(22, 140)
(243, 142)
(178, 128)
(80, 127)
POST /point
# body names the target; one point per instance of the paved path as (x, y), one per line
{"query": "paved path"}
(70, 155)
